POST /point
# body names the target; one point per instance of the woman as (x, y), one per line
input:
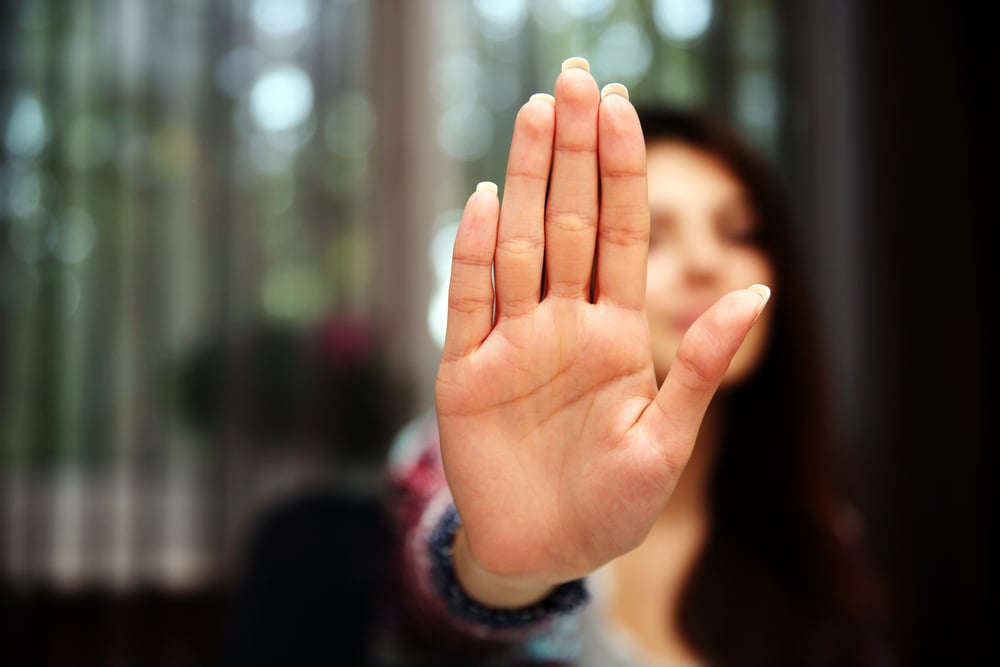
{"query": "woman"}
(575, 389)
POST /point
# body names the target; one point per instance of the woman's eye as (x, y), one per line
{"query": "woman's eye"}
(738, 230)
(655, 237)
(659, 232)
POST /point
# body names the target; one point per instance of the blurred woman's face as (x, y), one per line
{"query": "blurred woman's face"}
(702, 245)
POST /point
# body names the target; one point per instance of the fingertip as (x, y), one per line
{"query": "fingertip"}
(614, 89)
(619, 120)
(487, 186)
(481, 209)
(575, 62)
(764, 292)
(535, 121)
(761, 290)
(577, 85)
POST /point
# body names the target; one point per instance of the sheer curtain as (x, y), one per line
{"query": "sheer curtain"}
(188, 261)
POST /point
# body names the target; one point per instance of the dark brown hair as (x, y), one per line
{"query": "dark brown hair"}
(780, 580)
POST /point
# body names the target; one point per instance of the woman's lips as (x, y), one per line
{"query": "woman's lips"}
(687, 317)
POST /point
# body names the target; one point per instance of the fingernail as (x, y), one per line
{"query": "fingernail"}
(614, 89)
(542, 96)
(575, 62)
(764, 292)
(487, 186)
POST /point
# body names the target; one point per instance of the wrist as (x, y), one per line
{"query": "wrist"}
(491, 589)
(486, 599)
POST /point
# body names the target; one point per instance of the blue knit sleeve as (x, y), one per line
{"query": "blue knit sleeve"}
(563, 599)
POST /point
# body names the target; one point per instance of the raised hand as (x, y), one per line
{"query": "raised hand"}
(558, 447)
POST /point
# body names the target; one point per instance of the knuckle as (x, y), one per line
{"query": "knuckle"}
(623, 235)
(576, 145)
(468, 304)
(518, 307)
(472, 259)
(517, 173)
(697, 375)
(570, 220)
(520, 245)
(622, 172)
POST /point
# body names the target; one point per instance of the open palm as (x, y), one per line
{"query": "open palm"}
(558, 447)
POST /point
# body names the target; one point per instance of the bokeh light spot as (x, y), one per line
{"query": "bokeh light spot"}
(682, 19)
(27, 128)
(441, 248)
(757, 102)
(24, 193)
(456, 79)
(443, 243)
(504, 90)
(623, 52)
(437, 315)
(281, 98)
(292, 293)
(550, 15)
(76, 236)
(465, 132)
(501, 20)
(283, 18)
(592, 10)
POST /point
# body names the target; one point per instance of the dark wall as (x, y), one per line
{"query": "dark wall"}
(927, 112)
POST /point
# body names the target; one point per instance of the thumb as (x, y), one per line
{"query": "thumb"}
(704, 355)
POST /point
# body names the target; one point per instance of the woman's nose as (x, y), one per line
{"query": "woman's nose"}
(700, 254)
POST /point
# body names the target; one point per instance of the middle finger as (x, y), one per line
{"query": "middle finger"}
(571, 209)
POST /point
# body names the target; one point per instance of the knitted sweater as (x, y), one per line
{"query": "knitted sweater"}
(434, 620)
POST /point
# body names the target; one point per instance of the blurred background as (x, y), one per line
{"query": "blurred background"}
(225, 229)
